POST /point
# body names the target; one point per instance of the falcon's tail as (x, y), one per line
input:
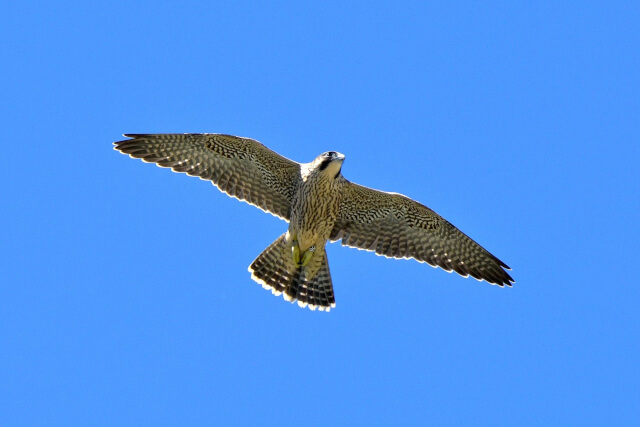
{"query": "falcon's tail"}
(274, 269)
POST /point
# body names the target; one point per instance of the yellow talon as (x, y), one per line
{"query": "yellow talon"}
(301, 260)
(295, 252)
(306, 258)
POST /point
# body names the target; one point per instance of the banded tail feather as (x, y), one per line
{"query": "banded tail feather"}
(310, 286)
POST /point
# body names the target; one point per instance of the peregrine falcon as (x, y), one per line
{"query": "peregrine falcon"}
(319, 204)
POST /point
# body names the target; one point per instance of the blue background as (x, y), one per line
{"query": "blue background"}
(124, 295)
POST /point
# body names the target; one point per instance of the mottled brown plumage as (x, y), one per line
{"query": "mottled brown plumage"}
(320, 205)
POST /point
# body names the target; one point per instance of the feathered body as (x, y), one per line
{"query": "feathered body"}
(296, 264)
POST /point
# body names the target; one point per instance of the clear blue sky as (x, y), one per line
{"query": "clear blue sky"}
(124, 291)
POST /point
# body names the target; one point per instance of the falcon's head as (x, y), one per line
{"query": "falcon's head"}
(329, 163)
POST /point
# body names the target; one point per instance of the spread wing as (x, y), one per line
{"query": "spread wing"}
(241, 167)
(395, 226)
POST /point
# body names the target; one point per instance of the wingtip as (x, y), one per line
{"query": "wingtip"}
(508, 281)
(126, 135)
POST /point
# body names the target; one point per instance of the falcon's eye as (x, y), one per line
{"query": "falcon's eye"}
(330, 154)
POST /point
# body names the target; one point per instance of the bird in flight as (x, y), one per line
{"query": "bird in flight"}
(320, 205)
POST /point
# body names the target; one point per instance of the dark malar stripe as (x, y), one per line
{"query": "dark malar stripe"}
(324, 164)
